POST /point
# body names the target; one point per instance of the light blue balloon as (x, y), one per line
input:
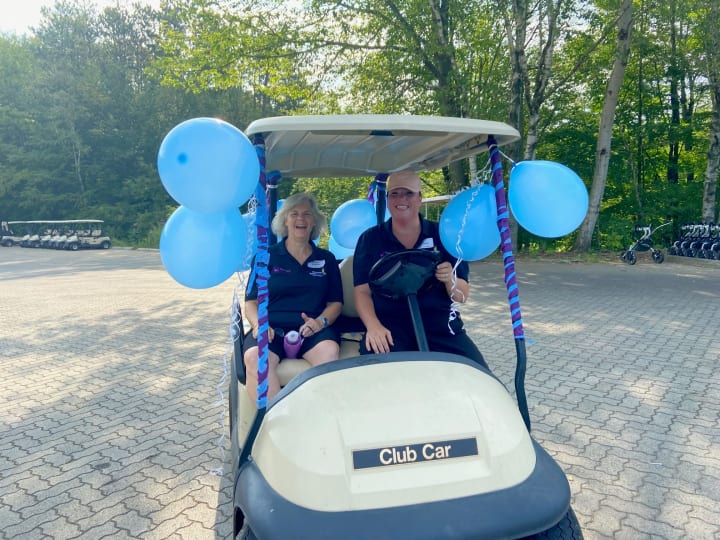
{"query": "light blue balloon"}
(208, 165)
(201, 250)
(468, 224)
(251, 242)
(339, 251)
(350, 220)
(548, 199)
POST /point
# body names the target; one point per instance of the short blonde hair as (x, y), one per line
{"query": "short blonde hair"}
(278, 223)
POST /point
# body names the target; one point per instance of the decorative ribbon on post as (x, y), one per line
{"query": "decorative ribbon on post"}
(503, 223)
(262, 274)
(376, 195)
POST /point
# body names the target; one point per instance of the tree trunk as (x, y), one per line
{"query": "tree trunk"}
(516, 28)
(673, 173)
(709, 213)
(602, 150)
(542, 77)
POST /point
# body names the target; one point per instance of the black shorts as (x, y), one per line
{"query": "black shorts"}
(276, 345)
(440, 341)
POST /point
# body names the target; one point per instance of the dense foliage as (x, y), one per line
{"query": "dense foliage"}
(87, 97)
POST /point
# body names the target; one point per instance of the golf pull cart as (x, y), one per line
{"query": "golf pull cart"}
(406, 445)
(644, 243)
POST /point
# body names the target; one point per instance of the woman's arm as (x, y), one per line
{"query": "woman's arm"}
(377, 338)
(251, 314)
(457, 291)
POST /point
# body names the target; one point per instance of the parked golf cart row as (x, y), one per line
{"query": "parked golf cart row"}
(701, 240)
(72, 234)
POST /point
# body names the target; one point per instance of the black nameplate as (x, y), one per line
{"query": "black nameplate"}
(414, 453)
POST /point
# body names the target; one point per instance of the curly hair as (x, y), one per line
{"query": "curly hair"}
(278, 223)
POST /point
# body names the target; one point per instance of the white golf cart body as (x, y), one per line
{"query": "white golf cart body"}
(45, 238)
(8, 236)
(87, 235)
(407, 445)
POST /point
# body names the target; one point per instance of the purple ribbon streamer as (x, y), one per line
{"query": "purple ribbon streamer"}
(503, 224)
(262, 274)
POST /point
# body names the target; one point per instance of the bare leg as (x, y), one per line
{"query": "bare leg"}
(325, 351)
(251, 369)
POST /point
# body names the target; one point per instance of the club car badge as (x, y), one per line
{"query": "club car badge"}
(414, 453)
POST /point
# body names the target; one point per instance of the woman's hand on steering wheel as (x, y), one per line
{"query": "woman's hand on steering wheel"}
(444, 273)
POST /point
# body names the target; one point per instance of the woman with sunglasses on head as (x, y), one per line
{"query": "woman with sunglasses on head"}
(387, 321)
(305, 293)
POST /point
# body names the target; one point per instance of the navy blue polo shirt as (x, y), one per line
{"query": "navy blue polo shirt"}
(294, 288)
(433, 300)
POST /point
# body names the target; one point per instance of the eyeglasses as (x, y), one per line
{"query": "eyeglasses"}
(402, 194)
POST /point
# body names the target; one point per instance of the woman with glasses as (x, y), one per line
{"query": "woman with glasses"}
(387, 321)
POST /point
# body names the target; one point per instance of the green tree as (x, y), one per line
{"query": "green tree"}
(436, 57)
(17, 123)
(710, 39)
(607, 117)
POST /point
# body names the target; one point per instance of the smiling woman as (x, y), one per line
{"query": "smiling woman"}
(305, 294)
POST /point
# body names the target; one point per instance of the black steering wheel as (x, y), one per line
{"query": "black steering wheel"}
(402, 273)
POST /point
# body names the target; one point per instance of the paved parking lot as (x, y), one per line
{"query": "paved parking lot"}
(111, 421)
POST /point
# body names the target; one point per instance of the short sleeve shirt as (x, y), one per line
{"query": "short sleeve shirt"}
(433, 300)
(295, 288)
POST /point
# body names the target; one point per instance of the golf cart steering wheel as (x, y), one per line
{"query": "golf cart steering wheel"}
(403, 273)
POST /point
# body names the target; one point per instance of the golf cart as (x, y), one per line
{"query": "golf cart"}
(32, 238)
(87, 234)
(415, 445)
(8, 238)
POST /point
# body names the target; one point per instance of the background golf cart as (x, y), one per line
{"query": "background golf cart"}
(8, 236)
(324, 493)
(87, 234)
(71, 234)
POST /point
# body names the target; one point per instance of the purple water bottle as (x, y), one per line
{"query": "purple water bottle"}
(292, 343)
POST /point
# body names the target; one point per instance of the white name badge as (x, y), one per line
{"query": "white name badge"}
(427, 243)
(317, 264)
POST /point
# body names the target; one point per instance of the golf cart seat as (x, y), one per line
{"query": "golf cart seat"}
(348, 324)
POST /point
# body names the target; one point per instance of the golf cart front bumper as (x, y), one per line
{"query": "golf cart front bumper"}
(532, 506)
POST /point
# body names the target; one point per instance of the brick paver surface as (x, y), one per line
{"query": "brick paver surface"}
(111, 418)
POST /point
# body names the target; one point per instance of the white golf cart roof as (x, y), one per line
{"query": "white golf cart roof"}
(368, 144)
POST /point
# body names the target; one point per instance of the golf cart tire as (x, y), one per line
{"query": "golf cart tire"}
(8, 243)
(567, 528)
(74, 246)
(105, 244)
(246, 533)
